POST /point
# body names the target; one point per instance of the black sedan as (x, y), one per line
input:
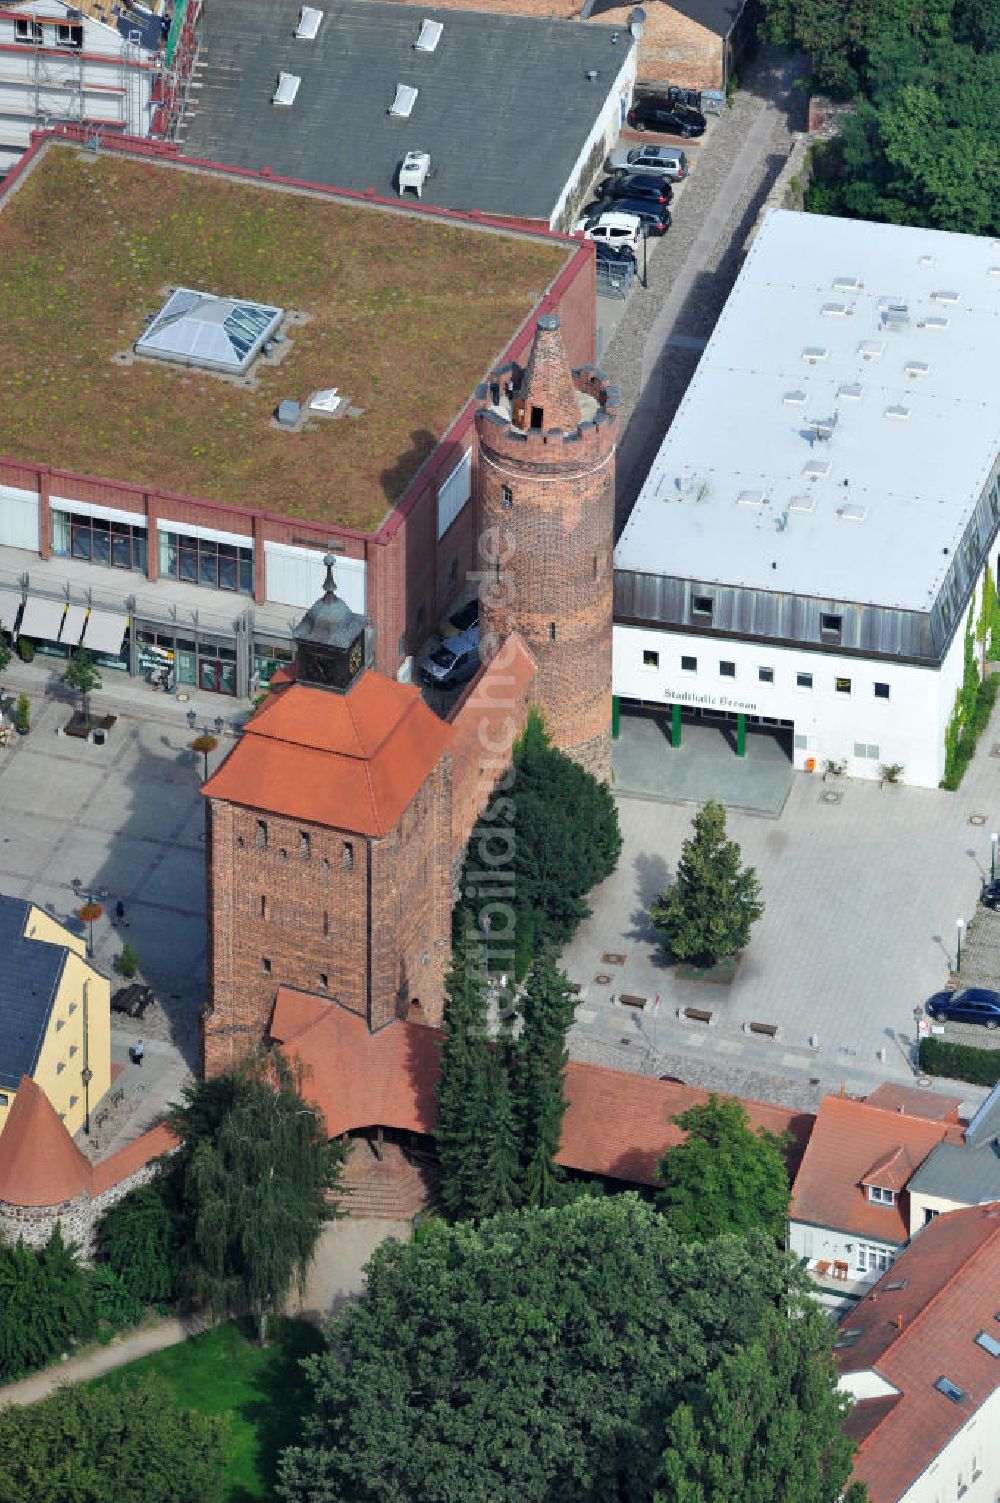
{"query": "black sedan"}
(654, 218)
(990, 896)
(646, 185)
(671, 120)
(973, 1004)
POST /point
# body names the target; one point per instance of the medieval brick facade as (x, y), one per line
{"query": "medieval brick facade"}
(547, 468)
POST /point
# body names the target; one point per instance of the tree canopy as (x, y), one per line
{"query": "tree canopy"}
(535, 1358)
(724, 1177)
(102, 1444)
(82, 676)
(708, 913)
(251, 1182)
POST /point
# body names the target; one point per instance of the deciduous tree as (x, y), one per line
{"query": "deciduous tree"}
(724, 1177)
(82, 676)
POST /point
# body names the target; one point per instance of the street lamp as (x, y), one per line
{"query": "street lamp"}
(994, 838)
(959, 926)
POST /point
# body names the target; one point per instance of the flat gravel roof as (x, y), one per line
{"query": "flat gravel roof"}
(843, 420)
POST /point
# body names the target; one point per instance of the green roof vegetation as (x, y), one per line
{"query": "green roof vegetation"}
(404, 316)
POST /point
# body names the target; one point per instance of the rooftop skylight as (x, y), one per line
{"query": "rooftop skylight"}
(988, 1343)
(950, 1390)
(216, 333)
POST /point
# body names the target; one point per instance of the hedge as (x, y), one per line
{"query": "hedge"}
(960, 1062)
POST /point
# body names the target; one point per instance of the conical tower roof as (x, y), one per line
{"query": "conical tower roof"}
(40, 1165)
(330, 622)
(547, 384)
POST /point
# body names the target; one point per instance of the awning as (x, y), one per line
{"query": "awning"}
(10, 602)
(42, 618)
(105, 632)
(72, 628)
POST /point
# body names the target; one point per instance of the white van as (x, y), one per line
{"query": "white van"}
(666, 161)
(611, 228)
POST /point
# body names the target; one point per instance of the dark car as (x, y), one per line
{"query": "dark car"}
(671, 120)
(465, 617)
(616, 255)
(637, 185)
(973, 1004)
(654, 218)
(990, 896)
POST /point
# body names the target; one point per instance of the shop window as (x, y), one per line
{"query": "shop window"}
(766, 675)
(703, 606)
(650, 659)
(265, 964)
(262, 834)
(689, 665)
(803, 680)
(727, 669)
(115, 545)
(267, 659)
(843, 685)
(305, 845)
(881, 691)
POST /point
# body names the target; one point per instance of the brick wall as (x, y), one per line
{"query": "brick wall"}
(79, 1218)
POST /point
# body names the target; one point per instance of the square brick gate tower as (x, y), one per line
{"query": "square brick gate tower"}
(329, 845)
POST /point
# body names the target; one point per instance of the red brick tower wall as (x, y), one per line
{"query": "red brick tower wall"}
(546, 475)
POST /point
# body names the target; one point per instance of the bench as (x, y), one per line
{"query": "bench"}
(769, 1030)
(629, 1001)
(697, 1014)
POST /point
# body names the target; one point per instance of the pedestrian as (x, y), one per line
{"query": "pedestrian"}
(120, 913)
(138, 1052)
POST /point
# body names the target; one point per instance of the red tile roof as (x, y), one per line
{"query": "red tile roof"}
(914, 1102)
(848, 1139)
(893, 1170)
(40, 1165)
(135, 1155)
(351, 761)
(912, 1336)
(616, 1124)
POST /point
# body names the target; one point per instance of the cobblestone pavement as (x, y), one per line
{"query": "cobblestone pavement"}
(862, 898)
(660, 338)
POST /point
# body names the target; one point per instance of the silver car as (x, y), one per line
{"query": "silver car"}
(668, 161)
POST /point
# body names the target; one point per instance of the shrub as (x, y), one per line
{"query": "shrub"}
(114, 1304)
(25, 649)
(47, 1305)
(139, 1243)
(960, 1062)
(127, 963)
(961, 736)
(22, 713)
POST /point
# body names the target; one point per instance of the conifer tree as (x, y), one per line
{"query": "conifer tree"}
(709, 911)
(501, 1181)
(464, 1082)
(547, 1007)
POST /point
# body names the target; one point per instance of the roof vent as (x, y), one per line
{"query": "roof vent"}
(796, 398)
(591, 75)
(414, 171)
(752, 498)
(850, 392)
(802, 503)
(847, 284)
(895, 316)
(288, 413)
(944, 295)
(852, 512)
(815, 469)
(926, 262)
(833, 310)
(814, 353)
(994, 271)
(309, 24)
(936, 321)
(406, 98)
(871, 349)
(822, 428)
(287, 88)
(430, 35)
(916, 368)
(898, 411)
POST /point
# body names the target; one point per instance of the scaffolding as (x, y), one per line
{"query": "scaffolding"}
(57, 72)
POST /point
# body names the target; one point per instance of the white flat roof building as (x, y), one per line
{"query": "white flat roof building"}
(829, 482)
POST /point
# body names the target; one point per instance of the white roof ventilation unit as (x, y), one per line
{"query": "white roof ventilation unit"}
(833, 310)
(430, 35)
(816, 469)
(752, 498)
(917, 368)
(871, 349)
(309, 24)
(288, 87)
(847, 284)
(850, 391)
(897, 411)
(944, 295)
(796, 398)
(413, 172)
(814, 353)
(406, 98)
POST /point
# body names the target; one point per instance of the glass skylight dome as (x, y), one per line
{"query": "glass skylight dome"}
(216, 333)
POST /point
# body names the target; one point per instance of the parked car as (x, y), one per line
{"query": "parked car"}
(454, 662)
(654, 218)
(612, 228)
(973, 1004)
(651, 185)
(990, 896)
(666, 161)
(465, 618)
(671, 120)
(616, 255)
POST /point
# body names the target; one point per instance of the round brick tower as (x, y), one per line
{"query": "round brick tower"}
(546, 488)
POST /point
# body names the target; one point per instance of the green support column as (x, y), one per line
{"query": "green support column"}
(741, 735)
(616, 717)
(675, 726)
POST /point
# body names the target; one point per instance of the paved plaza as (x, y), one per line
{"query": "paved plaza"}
(705, 765)
(862, 896)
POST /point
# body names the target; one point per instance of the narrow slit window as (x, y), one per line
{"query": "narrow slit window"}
(347, 857)
(262, 834)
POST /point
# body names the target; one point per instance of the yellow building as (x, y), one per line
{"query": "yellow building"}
(55, 1014)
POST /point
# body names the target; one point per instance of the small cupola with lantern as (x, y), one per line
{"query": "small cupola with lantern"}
(330, 641)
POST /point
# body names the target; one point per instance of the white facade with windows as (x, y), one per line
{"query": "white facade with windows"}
(810, 538)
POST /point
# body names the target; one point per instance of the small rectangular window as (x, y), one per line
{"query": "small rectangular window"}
(453, 573)
(766, 675)
(60, 1067)
(830, 625)
(552, 631)
(803, 680)
(689, 665)
(326, 925)
(880, 1197)
(650, 659)
(324, 980)
(727, 669)
(843, 685)
(4, 1099)
(69, 36)
(949, 1389)
(988, 1343)
(265, 965)
(702, 605)
(27, 31)
(73, 1049)
(263, 906)
(262, 834)
(881, 691)
(347, 856)
(305, 845)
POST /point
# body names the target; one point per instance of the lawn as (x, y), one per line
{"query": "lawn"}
(265, 1393)
(403, 313)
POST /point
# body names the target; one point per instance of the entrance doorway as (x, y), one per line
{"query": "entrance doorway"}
(683, 755)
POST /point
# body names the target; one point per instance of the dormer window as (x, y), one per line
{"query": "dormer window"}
(880, 1196)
